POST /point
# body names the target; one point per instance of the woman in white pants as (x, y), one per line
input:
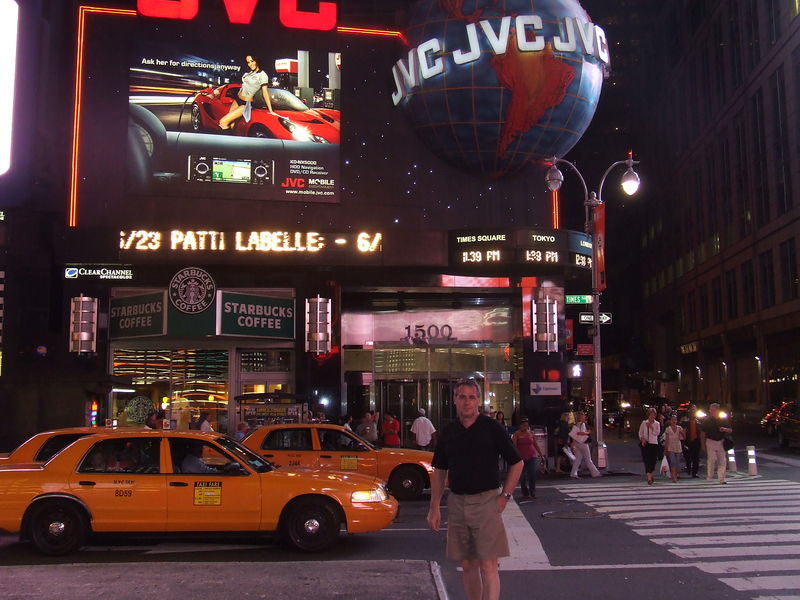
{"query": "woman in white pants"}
(579, 434)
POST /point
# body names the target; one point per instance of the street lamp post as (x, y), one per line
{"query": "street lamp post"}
(630, 184)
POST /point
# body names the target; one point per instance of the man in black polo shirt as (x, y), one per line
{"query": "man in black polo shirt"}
(467, 454)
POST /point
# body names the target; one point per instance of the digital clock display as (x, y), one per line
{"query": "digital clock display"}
(521, 246)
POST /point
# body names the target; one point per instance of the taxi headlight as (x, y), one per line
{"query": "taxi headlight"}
(373, 495)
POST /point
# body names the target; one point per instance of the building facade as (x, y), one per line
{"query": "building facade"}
(719, 272)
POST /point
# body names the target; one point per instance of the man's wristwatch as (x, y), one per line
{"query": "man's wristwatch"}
(506, 495)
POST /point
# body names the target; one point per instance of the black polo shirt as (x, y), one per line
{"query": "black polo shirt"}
(711, 427)
(470, 455)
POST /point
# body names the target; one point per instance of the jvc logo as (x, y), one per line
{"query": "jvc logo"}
(294, 182)
(241, 11)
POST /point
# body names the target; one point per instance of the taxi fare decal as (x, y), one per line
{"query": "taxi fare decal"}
(207, 493)
(349, 463)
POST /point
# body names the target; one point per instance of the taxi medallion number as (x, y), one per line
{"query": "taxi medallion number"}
(207, 493)
(349, 463)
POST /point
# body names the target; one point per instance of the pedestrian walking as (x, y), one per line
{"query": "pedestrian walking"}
(580, 435)
(691, 453)
(711, 437)
(467, 455)
(525, 441)
(423, 430)
(649, 431)
(673, 446)
(562, 441)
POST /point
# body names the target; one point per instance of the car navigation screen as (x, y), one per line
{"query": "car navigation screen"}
(233, 171)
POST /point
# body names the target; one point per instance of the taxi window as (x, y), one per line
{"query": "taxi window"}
(339, 441)
(123, 455)
(55, 445)
(198, 457)
(288, 439)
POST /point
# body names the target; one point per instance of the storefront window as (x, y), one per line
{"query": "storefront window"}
(182, 382)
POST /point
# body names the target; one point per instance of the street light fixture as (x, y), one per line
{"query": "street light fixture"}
(630, 184)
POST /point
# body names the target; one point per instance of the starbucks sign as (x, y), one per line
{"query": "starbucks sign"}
(192, 290)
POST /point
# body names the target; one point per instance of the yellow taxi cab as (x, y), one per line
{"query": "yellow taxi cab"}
(156, 481)
(43, 446)
(334, 448)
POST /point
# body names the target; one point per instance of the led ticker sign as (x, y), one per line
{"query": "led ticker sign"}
(521, 246)
(276, 242)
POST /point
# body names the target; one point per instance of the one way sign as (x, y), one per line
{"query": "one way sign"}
(587, 318)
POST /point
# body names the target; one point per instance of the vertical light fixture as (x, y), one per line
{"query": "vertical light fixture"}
(9, 18)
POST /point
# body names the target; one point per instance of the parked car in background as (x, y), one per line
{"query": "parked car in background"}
(332, 447)
(788, 428)
(170, 482)
(773, 418)
(43, 446)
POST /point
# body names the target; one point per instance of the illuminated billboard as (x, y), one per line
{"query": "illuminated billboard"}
(9, 17)
(243, 119)
(151, 95)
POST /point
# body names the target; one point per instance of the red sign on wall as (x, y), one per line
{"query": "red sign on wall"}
(584, 350)
(241, 11)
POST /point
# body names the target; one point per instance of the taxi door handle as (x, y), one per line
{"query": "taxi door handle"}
(178, 483)
(269, 455)
(325, 456)
(86, 483)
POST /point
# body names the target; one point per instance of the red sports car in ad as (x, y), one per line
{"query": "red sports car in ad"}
(290, 119)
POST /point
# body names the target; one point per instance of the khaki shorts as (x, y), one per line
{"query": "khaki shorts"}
(475, 529)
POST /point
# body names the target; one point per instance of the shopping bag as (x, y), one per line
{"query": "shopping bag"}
(664, 466)
(569, 453)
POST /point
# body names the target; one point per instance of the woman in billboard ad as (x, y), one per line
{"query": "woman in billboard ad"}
(251, 91)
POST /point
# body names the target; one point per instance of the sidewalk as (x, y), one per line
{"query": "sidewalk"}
(360, 580)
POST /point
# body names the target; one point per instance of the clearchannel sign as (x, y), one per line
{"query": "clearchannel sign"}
(112, 272)
(492, 86)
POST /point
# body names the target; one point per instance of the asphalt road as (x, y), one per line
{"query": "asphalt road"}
(612, 537)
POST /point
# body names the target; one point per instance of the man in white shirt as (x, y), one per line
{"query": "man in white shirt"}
(423, 430)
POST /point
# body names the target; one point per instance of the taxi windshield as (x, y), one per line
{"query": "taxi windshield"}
(253, 460)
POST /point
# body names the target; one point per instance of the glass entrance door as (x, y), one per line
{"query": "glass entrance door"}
(402, 399)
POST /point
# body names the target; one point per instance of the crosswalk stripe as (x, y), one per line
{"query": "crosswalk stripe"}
(692, 505)
(770, 582)
(729, 539)
(720, 552)
(527, 552)
(664, 522)
(704, 498)
(700, 512)
(749, 566)
(727, 530)
(665, 531)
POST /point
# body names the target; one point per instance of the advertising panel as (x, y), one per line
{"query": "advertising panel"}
(255, 316)
(137, 316)
(229, 118)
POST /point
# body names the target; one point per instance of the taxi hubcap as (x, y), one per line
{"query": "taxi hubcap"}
(311, 526)
(407, 483)
(56, 528)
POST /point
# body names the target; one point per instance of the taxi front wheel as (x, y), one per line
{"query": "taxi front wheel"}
(57, 527)
(311, 525)
(406, 483)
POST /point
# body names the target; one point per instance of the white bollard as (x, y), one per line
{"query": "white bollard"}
(732, 460)
(752, 467)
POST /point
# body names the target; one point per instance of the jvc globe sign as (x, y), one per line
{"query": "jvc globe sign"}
(492, 86)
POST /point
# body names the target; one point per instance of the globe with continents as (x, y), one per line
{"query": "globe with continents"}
(493, 86)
